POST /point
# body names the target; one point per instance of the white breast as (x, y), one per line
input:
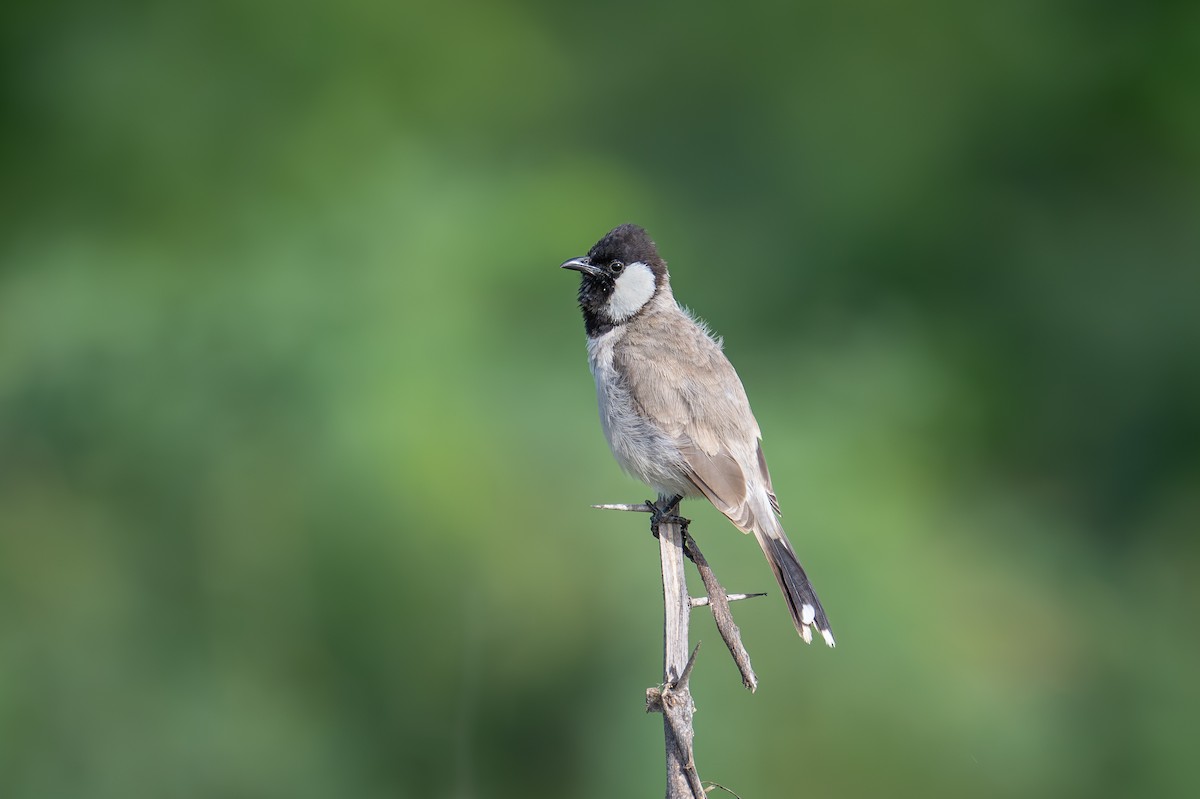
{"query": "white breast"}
(639, 446)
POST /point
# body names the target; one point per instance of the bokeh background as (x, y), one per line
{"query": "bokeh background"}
(297, 438)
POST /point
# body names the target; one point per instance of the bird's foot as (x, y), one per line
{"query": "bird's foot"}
(664, 511)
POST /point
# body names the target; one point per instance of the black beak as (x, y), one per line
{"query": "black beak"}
(582, 265)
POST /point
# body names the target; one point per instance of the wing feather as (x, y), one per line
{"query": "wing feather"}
(694, 395)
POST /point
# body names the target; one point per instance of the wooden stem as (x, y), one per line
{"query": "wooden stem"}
(677, 702)
(674, 698)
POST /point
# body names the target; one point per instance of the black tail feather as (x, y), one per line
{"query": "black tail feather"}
(801, 599)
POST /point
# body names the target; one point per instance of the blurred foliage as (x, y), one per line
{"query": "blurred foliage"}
(297, 438)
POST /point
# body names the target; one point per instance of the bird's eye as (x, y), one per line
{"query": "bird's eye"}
(616, 267)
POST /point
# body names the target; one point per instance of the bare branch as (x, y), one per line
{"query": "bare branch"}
(713, 785)
(719, 604)
(673, 698)
(702, 601)
(687, 669)
(676, 702)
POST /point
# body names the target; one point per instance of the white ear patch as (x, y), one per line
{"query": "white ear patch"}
(632, 290)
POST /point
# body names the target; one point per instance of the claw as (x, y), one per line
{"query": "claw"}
(664, 511)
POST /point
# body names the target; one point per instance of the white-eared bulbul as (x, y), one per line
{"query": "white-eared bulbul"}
(673, 409)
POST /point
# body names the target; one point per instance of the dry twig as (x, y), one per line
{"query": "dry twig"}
(673, 698)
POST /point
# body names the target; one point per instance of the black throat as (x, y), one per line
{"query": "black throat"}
(594, 324)
(594, 291)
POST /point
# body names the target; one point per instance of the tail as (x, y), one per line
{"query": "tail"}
(756, 510)
(802, 601)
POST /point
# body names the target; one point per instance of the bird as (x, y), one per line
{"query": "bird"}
(673, 410)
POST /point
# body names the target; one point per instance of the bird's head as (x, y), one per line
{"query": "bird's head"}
(620, 275)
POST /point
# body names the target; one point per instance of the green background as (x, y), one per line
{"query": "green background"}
(297, 438)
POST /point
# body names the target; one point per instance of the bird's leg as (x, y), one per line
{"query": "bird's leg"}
(664, 511)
